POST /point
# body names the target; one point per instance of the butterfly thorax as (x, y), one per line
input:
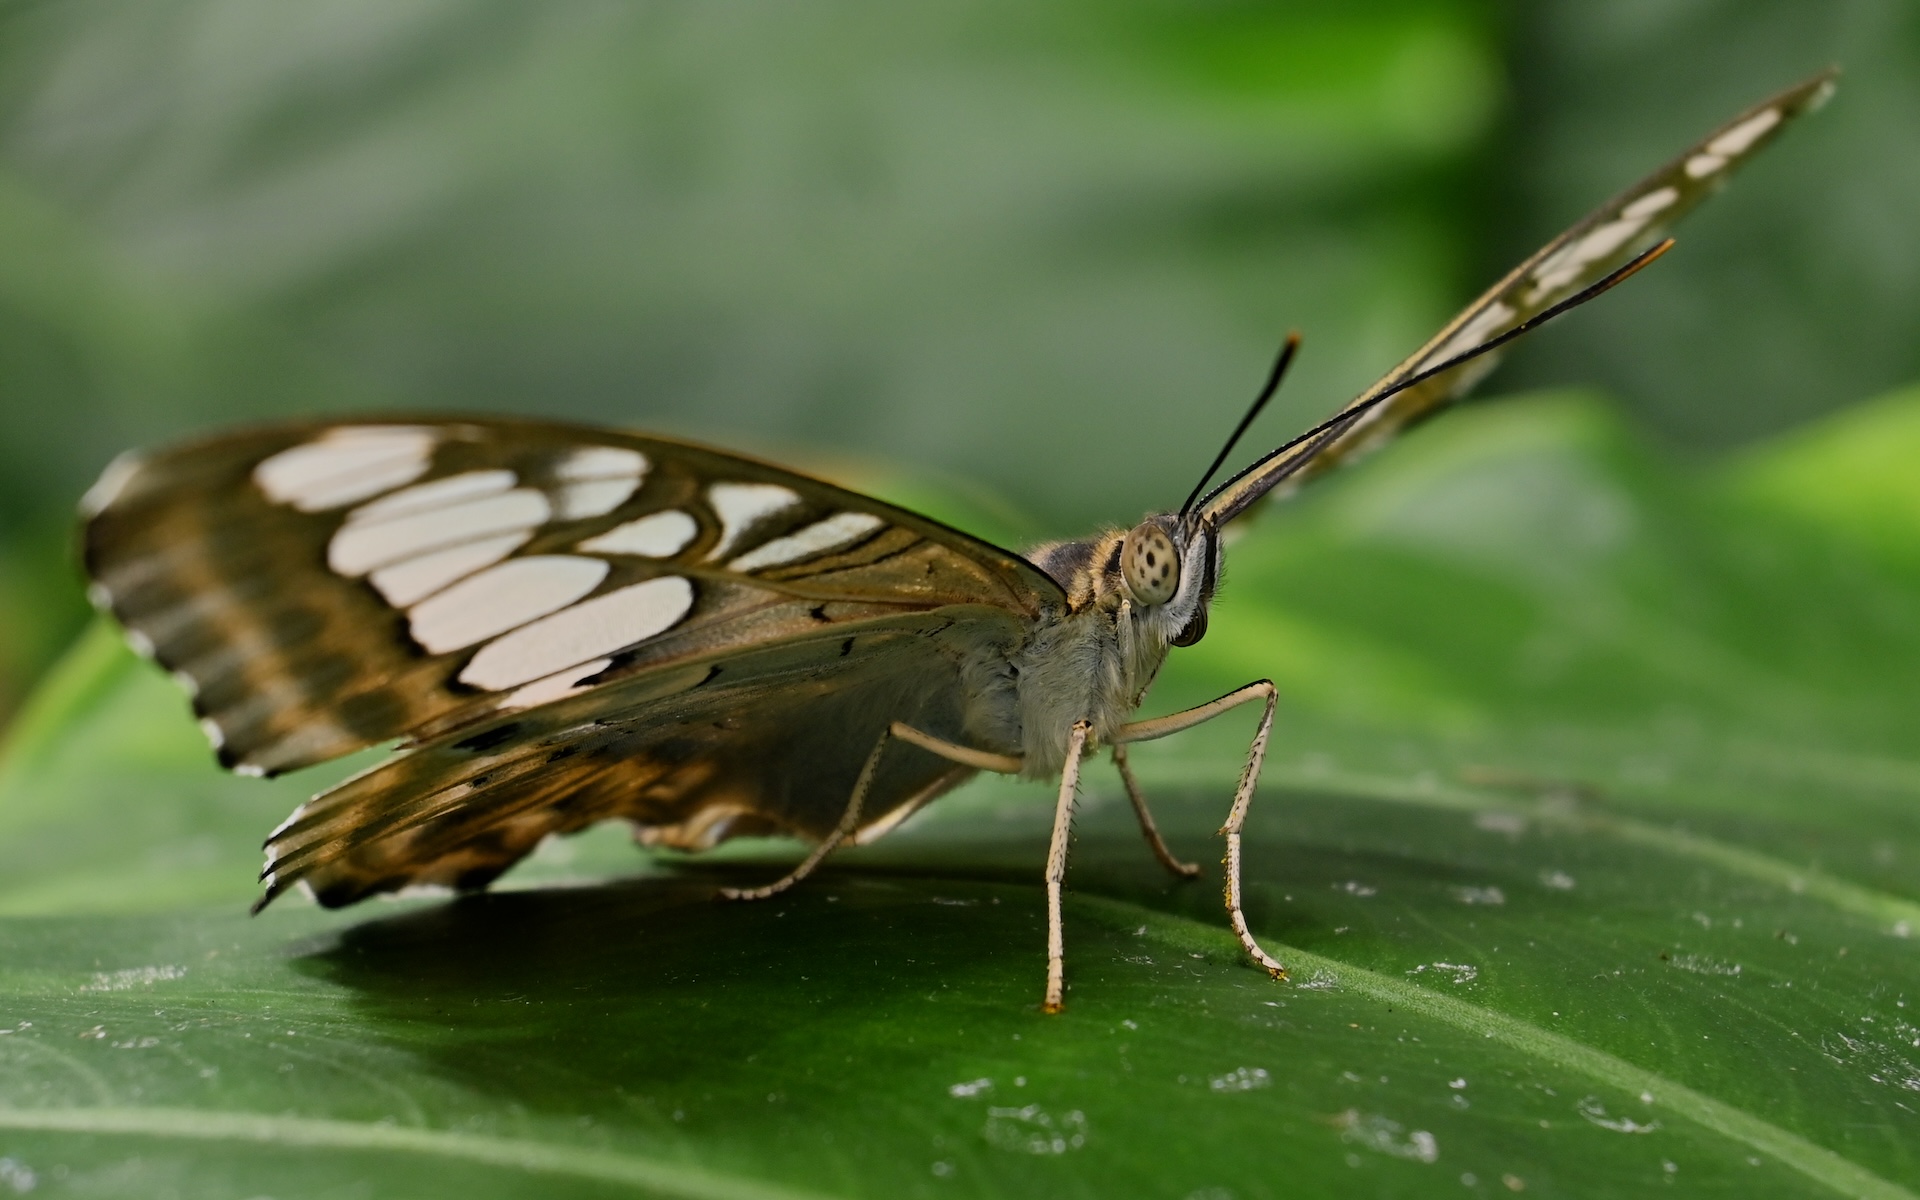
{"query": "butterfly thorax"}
(1131, 594)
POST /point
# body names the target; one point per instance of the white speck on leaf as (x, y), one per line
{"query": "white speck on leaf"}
(1383, 1136)
(1596, 1114)
(1700, 964)
(132, 977)
(1241, 1079)
(1459, 972)
(1030, 1129)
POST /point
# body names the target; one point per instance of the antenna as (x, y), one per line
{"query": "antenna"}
(1276, 466)
(1279, 372)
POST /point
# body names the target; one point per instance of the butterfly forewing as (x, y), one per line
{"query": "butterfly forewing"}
(1605, 240)
(320, 589)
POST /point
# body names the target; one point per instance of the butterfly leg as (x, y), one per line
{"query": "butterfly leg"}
(966, 756)
(1057, 867)
(849, 821)
(1148, 829)
(1159, 727)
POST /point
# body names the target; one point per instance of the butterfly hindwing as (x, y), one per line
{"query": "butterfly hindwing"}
(323, 588)
(765, 740)
(1605, 240)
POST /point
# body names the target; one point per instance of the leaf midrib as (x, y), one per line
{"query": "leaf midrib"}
(582, 1162)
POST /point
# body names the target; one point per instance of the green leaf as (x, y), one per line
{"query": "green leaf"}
(1588, 832)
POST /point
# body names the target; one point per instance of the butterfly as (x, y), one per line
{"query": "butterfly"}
(561, 625)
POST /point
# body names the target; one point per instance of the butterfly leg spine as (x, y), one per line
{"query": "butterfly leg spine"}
(1159, 727)
(1148, 828)
(1057, 867)
(849, 822)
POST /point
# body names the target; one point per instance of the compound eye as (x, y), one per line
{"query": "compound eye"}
(1149, 566)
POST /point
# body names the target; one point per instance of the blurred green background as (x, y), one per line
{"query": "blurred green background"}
(1044, 250)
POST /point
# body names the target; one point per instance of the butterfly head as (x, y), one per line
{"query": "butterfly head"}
(1168, 568)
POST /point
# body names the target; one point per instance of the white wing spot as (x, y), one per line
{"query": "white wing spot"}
(1569, 265)
(1492, 320)
(1609, 237)
(593, 497)
(816, 538)
(139, 643)
(412, 580)
(740, 505)
(111, 483)
(100, 596)
(1651, 203)
(1736, 140)
(439, 494)
(598, 479)
(1702, 165)
(1553, 263)
(360, 546)
(352, 462)
(557, 686)
(588, 630)
(502, 598)
(603, 462)
(215, 736)
(658, 535)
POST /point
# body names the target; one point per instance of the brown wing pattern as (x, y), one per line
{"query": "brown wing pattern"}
(768, 740)
(322, 588)
(1606, 239)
